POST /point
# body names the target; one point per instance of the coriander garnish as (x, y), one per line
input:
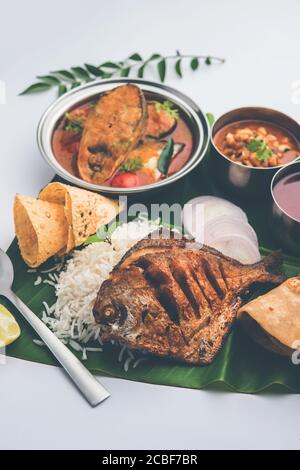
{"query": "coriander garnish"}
(132, 165)
(262, 151)
(168, 108)
(73, 124)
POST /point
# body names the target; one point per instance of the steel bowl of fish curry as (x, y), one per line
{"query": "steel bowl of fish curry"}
(125, 138)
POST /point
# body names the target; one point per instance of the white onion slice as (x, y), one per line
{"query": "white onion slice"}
(213, 207)
(238, 247)
(227, 227)
(199, 211)
(222, 225)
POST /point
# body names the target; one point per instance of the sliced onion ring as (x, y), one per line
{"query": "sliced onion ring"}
(238, 247)
(222, 225)
(199, 211)
(226, 227)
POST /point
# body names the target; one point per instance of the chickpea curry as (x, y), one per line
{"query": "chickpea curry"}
(256, 144)
(123, 138)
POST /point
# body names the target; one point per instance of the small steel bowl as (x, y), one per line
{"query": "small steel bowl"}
(241, 180)
(193, 115)
(285, 228)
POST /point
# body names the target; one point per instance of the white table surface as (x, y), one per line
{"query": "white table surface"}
(39, 408)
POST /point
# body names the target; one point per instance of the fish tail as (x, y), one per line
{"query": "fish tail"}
(272, 265)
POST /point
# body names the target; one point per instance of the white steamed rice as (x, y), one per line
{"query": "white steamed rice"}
(71, 318)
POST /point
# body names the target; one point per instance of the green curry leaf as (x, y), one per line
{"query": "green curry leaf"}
(36, 88)
(62, 90)
(65, 74)
(50, 79)
(81, 73)
(141, 71)
(155, 56)
(194, 63)
(161, 67)
(110, 65)
(178, 68)
(125, 72)
(93, 70)
(136, 57)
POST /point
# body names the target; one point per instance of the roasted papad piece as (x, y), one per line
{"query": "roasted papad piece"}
(41, 228)
(61, 219)
(273, 319)
(85, 211)
(113, 128)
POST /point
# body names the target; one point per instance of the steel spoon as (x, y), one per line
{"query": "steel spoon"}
(90, 388)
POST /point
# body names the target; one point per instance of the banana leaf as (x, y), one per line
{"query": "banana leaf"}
(242, 365)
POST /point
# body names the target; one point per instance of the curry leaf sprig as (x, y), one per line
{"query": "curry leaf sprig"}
(134, 65)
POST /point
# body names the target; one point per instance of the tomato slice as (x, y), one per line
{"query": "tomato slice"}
(125, 180)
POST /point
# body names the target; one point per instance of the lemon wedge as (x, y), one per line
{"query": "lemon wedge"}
(9, 328)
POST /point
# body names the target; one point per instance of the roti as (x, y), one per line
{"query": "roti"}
(273, 319)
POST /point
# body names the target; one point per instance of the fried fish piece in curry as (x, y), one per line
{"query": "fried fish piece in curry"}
(113, 128)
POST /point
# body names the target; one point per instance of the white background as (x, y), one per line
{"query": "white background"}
(39, 408)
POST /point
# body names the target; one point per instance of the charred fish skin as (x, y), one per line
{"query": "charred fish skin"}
(172, 298)
(113, 128)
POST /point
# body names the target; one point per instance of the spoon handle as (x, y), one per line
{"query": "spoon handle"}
(90, 388)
